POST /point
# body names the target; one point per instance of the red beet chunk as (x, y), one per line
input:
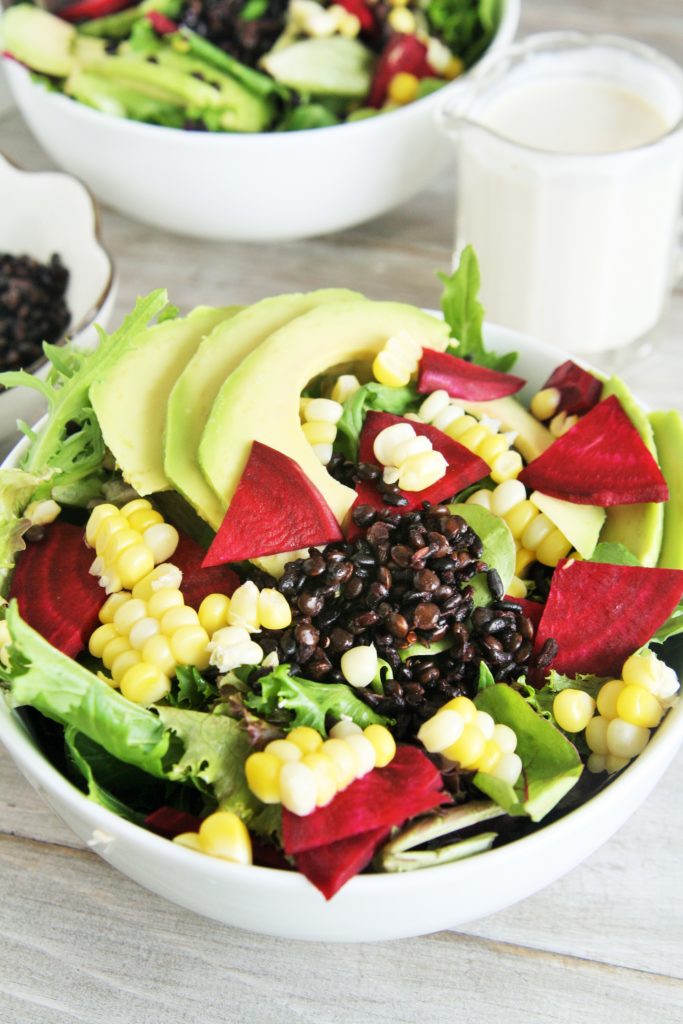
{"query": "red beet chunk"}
(385, 797)
(275, 508)
(169, 822)
(601, 461)
(330, 867)
(600, 614)
(464, 468)
(84, 10)
(579, 389)
(162, 25)
(57, 596)
(402, 53)
(461, 379)
(198, 582)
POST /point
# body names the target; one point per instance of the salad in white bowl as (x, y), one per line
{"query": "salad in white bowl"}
(303, 587)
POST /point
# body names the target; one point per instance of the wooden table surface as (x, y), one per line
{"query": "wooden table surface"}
(605, 943)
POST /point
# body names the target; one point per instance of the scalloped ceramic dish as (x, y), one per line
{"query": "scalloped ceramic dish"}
(370, 907)
(45, 212)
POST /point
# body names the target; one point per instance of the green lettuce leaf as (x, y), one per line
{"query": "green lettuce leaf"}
(611, 553)
(81, 752)
(310, 702)
(370, 397)
(551, 764)
(465, 314)
(192, 691)
(672, 627)
(485, 677)
(499, 547)
(16, 490)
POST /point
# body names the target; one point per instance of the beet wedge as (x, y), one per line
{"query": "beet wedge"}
(330, 867)
(385, 797)
(464, 468)
(579, 390)
(599, 614)
(601, 461)
(275, 508)
(462, 379)
(57, 596)
(198, 582)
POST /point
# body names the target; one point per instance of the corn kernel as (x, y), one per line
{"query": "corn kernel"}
(95, 520)
(144, 518)
(144, 684)
(359, 665)
(322, 452)
(109, 528)
(638, 706)
(243, 609)
(213, 612)
(273, 609)
(403, 87)
(344, 761)
(162, 600)
(485, 724)
(387, 439)
(468, 748)
(364, 753)
(465, 707)
(507, 466)
(505, 738)
(596, 763)
(448, 416)
(190, 646)
(177, 617)
(552, 548)
(298, 788)
(115, 647)
(544, 403)
(142, 631)
(614, 763)
(323, 410)
(224, 835)
(473, 437)
(403, 344)
(319, 432)
(345, 728)
(112, 605)
(482, 498)
(491, 447)
(122, 662)
(421, 471)
(162, 540)
(516, 587)
(263, 776)
(453, 69)
(226, 657)
(135, 562)
(390, 370)
(325, 776)
(157, 651)
(390, 475)
(573, 709)
(162, 577)
(346, 385)
(519, 517)
(596, 735)
(435, 403)
(536, 532)
(383, 742)
(305, 738)
(101, 637)
(136, 505)
(129, 613)
(645, 669)
(523, 559)
(411, 446)
(506, 496)
(188, 839)
(608, 696)
(490, 757)
(119, 543)
(284, 750)
(626, 740)
(41, 513)
(507, 769)
(561, 423)
(402, 20)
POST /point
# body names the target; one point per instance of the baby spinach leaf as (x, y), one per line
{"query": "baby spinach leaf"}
(613, 554)
(485, 677)
(499, 547)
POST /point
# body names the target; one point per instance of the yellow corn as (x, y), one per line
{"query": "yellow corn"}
(136, 505)
(161, 539)
(188, 839)
(122, 662)
(144, 684)
(391, 370)
(325, 776)
(163, 600)
(468, 748)
(298, 788)
(190, 646)
(383, 742)
(491, 447)
(639, 706)
(133, 564)
(142, 631)
(213, 612)
(561, 423)
(162, 577)
(403, 87)
(507, 466)
(243, 609)
(111, 526)
(274, 611)
(112, 605)
(143, 518)
(523, 559)
(453, 69)
(489, 758)
(474, 436)
(346, 385)
(608, 697)
(225, 835)
(544, 403)
(306, 739)
(573, 709)
(115, 647)
(421, 471)
(338, 752)
(176, 618)
(128, 614)
(319, 432)
(324, 410)
(441, 730)
(284, 750)
(95, 520)
(101, 637)
(263, 776)
(460, 426)
(465, 707)
(157, 651)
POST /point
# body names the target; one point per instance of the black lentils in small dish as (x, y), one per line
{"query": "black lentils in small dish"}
(405, 580)
(32, 308)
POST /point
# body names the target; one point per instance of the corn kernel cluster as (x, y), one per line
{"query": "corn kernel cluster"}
(544, 407)
(396, 363)
(628, 708)
(145, 634)
(472, 739)
(222, 834)
(482, 437)
(536, 536)
(345, 385)
(317, 22)
(304, 771)
(409, 459)
(128, 543)
(320, 418)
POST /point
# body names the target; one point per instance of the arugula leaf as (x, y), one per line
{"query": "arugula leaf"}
(551, 764)
(192, 690)
(375, 397)
(498, 547)
(310, 702)
(464, 314)
(613, 554)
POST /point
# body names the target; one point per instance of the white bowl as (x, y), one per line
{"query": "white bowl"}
(369, 907)
(266, 187)
(42, 213)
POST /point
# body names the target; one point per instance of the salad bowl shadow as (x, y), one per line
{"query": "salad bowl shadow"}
(41, 213)
(264, 187)
(370, 907)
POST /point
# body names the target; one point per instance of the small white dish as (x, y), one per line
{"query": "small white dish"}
(369, 907)
(46, 212)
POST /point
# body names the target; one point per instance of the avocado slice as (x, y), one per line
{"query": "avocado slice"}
(638, 527)
(668, 431)
(198, 385)
(260, 400)
(532, 437)
(581, 524)
(38, 39)
(130, 400)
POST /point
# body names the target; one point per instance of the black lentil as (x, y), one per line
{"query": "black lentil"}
(32, 308)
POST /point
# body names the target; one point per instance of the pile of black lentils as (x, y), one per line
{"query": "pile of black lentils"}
(32, 308)
(404, 580)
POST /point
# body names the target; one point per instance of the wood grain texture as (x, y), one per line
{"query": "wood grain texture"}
(81, 943)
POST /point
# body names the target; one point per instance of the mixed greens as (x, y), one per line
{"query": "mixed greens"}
(249, 65)
(357, 617)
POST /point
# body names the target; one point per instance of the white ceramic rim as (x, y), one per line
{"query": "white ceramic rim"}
(502, 36)
(651, 762)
